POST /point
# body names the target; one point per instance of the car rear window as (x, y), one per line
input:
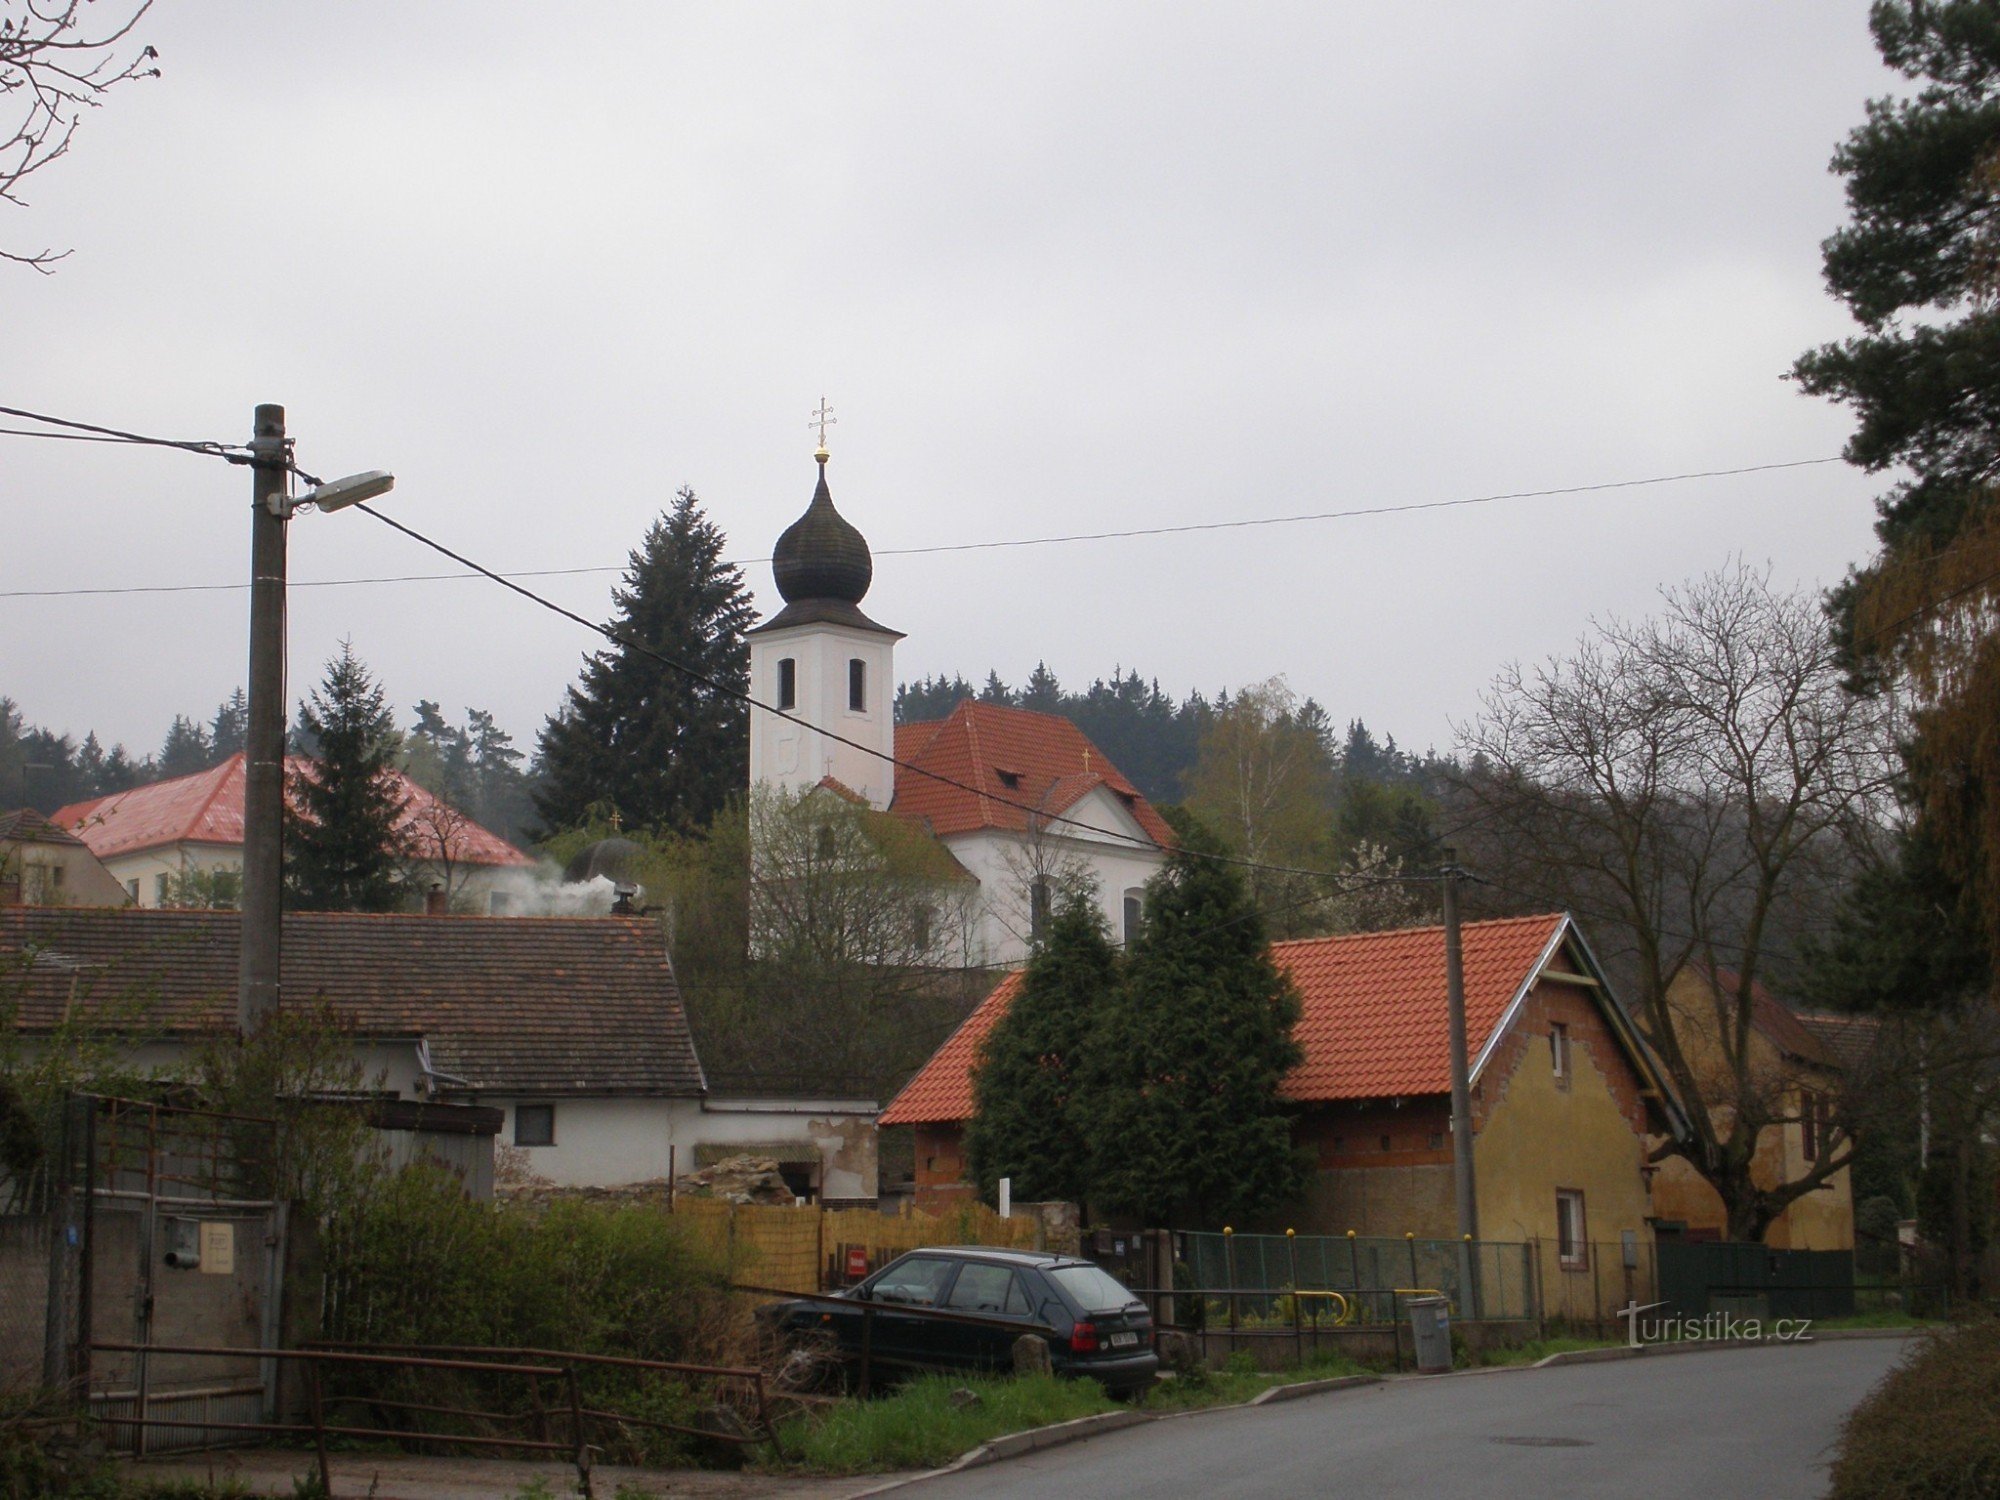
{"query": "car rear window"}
(1093, 1290)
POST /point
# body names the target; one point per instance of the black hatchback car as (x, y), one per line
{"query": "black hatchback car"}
(1094, 1326)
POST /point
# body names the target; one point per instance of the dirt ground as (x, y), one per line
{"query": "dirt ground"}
(358, 1476)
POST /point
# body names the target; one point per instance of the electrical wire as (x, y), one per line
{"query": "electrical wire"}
(951, 547)
(233, 452)
(740, 695)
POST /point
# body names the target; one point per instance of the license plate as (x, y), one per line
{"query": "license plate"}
(1122, 1340)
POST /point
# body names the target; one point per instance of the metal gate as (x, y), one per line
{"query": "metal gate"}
(178, 1249)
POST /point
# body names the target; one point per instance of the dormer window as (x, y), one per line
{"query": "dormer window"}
(1009, 779)
(857, 685)
(788, 682)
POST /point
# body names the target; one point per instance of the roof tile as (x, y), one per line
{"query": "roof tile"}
(555, 1005)
(1372, 1022)
(207, 808)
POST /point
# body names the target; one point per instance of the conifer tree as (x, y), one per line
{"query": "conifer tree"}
(1028, 1108)
(342, 846)
(226, 729)
(662, 749)
(1187, 1128)
(187, 748)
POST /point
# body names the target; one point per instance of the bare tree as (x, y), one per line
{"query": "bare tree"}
(55, 64)
(1687, 784)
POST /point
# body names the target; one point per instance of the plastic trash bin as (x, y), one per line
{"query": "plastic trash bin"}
(1430, 1331)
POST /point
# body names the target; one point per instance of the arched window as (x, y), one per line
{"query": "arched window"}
(1135, 914)
(788, 682)
(827, 844)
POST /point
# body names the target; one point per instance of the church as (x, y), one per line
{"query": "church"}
(1024, 805)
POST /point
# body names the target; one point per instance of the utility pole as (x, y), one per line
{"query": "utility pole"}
(1463, 1180)
(264, 731)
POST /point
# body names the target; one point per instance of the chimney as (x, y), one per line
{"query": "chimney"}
(436, 902)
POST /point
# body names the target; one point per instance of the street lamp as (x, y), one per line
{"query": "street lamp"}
(271, 507)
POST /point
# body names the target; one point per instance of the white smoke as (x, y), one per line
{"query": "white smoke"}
(542, 892)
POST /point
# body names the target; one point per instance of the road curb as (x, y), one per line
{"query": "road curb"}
(1304, 1388)
(1698, 1346)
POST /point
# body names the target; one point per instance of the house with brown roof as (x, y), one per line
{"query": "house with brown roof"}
(571, 1026)
(1797, 1073)
(44, 864)
(149, 835)
(1023, 801)
(1565, 1092)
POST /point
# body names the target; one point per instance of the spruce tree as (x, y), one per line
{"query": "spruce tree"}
(342, 846)
(1028, 1114)
(1186, 1127)
(187, 750)
(634, 734)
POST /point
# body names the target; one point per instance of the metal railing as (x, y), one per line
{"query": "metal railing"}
(543, 1419)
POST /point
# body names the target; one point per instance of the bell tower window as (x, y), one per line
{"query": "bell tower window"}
(788, 682)
(857, 685)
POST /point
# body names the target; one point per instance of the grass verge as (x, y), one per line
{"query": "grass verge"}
(1931, 1429)
(918, 1427)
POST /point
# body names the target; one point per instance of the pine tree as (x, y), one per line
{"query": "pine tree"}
(1028, 1111)
(661, 748)
(226, 729)
(1187, 1128)
(342, 847)
(187, 749)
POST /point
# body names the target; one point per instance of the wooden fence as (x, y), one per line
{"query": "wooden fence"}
(803, 1249)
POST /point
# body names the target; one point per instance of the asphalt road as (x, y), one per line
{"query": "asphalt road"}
(1740, 1424)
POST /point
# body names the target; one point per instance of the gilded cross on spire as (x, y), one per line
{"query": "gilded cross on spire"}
(822, 419)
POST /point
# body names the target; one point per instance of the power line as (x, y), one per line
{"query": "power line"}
(740, 695)
(91, 432)
(950, 547)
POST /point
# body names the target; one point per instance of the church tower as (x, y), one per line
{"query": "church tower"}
(821, 659)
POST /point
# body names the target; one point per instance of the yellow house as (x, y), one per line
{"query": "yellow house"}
(1565, 1095)
(1795, 1076)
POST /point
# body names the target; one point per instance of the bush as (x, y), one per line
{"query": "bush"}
(1931, 1429)
(419, 1263)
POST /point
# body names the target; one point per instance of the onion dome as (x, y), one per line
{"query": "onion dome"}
(609, 859)
(821, 556)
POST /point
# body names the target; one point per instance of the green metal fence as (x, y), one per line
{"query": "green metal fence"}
(1483, 1278)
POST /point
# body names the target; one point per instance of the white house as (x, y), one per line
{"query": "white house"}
(1022, 801)
(149, 835)
(571, 1026)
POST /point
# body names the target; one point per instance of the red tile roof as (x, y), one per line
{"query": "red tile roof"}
(544, 1005)
(1775, 1020)
(1373, 1021)
(207, 808)
(1050, 763)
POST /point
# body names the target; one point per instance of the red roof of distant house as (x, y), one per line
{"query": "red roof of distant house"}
(1774, 1018)
(1372, 1022)
(207, 808)
(1005, 761)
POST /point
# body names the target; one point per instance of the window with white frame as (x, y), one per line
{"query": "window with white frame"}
(1572, 1239)
(857, 685)
(1135, 913)
(788, 682)
(1559, 1053)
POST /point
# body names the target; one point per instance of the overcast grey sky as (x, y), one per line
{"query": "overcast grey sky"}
(1057, 267)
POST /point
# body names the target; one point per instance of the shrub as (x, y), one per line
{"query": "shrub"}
(1931, 1429)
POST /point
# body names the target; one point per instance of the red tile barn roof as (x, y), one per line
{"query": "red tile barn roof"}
(207, 808)
(1373, 1022)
